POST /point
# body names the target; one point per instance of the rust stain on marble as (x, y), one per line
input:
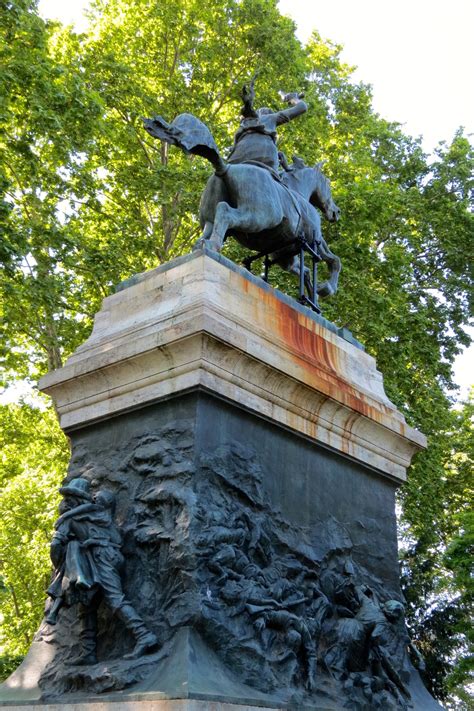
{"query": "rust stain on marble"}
(321, 360)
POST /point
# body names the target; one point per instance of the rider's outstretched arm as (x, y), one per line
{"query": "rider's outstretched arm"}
(297, 107)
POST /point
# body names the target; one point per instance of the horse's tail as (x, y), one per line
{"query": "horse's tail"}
(191, 135)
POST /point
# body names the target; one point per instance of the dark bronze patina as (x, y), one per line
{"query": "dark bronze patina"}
(257, 197)
(86, 554)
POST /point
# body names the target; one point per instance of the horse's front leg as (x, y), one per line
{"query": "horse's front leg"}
(329, 287)
(292, 266)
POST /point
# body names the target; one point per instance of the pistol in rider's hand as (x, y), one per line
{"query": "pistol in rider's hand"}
(292, 97)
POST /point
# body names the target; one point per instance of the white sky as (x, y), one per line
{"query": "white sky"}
(417, 54)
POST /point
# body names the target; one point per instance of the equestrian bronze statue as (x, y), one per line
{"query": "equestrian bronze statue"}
(255, 196)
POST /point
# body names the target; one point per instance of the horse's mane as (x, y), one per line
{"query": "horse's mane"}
(293, 178)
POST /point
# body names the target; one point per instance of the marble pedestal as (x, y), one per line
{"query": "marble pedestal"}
(254, 457)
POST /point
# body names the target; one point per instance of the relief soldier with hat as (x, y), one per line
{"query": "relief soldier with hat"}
(86, 554)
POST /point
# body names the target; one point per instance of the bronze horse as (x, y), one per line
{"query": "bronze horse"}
(261, 209)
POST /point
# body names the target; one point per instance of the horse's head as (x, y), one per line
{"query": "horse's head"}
(314, 186)
(322, 197)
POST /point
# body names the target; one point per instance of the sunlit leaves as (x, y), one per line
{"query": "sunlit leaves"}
(33, 463)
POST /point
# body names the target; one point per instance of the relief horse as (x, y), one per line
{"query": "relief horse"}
(262, 210)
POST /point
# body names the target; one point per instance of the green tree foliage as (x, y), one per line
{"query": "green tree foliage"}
(46, 118)
(87, 198)
(438, 570)
(32, 465)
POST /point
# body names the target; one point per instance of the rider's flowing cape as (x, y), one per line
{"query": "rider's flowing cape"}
(187, 132)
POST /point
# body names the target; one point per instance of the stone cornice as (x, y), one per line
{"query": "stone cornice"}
(202, 322)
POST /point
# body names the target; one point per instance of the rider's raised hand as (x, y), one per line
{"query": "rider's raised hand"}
(248, 97)
(291, 98)
(248, 94)
(248, 90)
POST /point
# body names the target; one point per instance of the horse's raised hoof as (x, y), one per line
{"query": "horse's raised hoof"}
(325, 289)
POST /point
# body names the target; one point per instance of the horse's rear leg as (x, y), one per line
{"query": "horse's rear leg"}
(227, 217)
(307, 282)
(206, 233)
